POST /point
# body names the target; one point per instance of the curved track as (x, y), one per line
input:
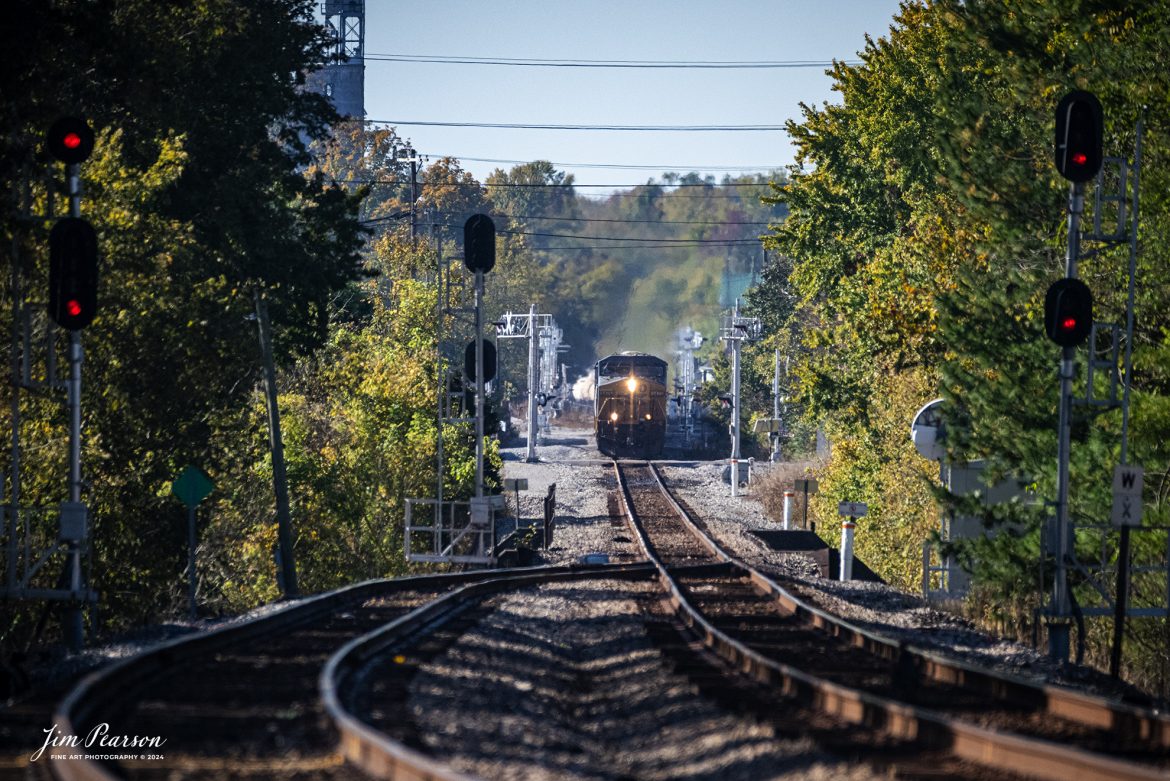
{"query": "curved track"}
(376, 667)
(244, 699)
(288, 694)
(999, 722)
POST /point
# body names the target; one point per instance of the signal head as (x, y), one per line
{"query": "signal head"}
(70, 140)
(479, 243)
(73, 273)
(1079, 136)
(1068, 312)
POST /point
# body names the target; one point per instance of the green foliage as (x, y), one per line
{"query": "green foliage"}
(197, 199)
(926, 221)
(879, 465)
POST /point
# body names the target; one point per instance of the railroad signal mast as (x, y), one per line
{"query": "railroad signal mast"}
(460, 531)
(72, 305)
(479, 255)
(1068, 322)
(1068, 312)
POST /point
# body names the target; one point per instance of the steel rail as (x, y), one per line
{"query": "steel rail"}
(1151, 726)
(373, 751)
(990, 748)
(110, 684)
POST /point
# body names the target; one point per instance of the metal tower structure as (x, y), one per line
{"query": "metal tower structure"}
(343, 78)
(736, 329)
(685, 376)
(544, 350)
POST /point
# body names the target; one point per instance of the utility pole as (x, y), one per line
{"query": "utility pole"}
(776, 408)
(413, 159)
(288, 570)
(413, 195)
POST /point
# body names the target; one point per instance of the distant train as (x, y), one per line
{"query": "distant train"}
(629, 406)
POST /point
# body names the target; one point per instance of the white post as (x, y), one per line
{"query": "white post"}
(788, 497)
(847, 527)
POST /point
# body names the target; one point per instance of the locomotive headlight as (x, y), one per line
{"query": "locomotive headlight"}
(648, 416)
(632, 384)
(613, 416)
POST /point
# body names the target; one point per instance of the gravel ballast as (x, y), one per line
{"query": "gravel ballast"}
(583, 526)
(562, 681)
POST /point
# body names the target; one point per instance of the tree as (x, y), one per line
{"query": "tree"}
(922, 238)
(534, 197)
(198, 197)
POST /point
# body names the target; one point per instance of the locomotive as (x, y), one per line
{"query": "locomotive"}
(629, 404)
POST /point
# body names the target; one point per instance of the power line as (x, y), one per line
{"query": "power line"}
(609, 247)
(625, 128)
(550, 185)
(649, 222)
(711, 185)
(444, 59)
(681, 242)
(630, 167)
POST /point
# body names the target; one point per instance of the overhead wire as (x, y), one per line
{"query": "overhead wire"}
(709, 185)
(620, 128)
(608, 247)
(648, 222)
(630, 167)
(452, 59)
(512, 232)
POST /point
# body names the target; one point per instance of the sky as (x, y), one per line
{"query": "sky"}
(609, 30)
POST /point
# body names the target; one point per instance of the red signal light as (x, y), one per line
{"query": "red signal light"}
(1079, 135)
(73, 273)
(70, 140)
(1068, 312)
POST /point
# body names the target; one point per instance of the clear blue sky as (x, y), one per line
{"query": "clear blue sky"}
(727, 30)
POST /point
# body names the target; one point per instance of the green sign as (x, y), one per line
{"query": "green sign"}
(192, 486)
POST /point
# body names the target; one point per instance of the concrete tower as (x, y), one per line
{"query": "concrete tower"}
(343, 80)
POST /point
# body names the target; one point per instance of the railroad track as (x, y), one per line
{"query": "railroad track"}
(999, 722)
(367, 686)
(243, 701)
(364, 684)
(296, 693)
